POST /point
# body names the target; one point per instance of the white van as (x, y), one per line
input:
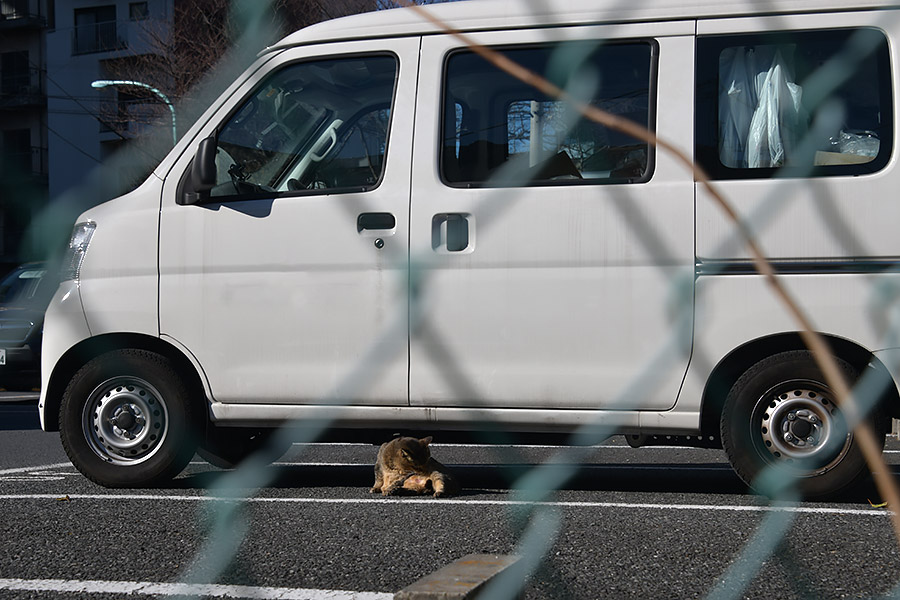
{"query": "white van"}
(376, 229)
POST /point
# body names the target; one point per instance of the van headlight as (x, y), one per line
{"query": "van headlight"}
(78, 245)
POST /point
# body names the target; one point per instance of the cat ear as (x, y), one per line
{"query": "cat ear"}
(425, 441)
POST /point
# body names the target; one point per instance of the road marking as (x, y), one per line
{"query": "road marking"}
(723, 467)
(310, 464)
(35, 477)
(184, 589)
(40, 473)
(534, 465)
(812, 510)
(34, 469)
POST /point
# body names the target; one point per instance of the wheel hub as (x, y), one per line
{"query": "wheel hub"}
(128, 421)
(803, 423)
(125, 421)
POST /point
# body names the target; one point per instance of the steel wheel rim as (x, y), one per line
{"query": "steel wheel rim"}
(125, 421)
(799, 424)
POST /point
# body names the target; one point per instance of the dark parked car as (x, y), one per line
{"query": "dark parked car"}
(24, 296)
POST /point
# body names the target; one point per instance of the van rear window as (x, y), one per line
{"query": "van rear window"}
(794, 103)
(498, 131)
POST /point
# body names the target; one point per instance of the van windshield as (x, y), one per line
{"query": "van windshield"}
(312, 125)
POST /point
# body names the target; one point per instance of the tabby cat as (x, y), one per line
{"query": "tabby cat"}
(405, 464)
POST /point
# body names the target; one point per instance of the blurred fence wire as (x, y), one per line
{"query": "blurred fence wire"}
(551, 476)
(541, 523)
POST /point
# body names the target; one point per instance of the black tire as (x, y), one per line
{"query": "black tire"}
(781, 412)
(126, 420)
(227, 447)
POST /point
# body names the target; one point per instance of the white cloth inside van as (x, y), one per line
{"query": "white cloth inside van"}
(761, 115)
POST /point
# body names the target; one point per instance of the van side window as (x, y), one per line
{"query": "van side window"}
(800, 103)
(310, 126)
(499, 131)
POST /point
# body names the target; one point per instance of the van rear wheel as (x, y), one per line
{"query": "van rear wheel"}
(781, 413)
(126, 420)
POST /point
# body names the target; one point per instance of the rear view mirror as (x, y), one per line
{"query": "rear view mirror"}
(203, 173)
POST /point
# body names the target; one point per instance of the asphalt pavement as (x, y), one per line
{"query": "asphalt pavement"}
(643, 523)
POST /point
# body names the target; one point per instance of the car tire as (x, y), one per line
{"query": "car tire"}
(781, 412)
(126, 420)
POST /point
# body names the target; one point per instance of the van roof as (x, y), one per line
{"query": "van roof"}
(485, 15)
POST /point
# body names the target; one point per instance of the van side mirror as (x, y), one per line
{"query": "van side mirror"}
(203, 173)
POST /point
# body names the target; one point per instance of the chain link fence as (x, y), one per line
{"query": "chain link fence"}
(541, 521)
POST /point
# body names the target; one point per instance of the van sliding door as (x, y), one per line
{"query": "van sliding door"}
(555, 255)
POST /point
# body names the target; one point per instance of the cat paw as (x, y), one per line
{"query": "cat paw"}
(375, 490)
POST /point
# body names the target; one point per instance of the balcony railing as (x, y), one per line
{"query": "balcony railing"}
(21, 13)
(132, 120)
(22, 87)
(98, 37)
(29, 163)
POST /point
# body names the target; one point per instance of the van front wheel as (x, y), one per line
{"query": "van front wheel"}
(126, 420)
(781, 413)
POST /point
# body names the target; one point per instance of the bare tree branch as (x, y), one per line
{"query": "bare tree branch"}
(887, 486)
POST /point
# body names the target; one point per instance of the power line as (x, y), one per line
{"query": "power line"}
(86, 110)
(91, 113)
(63, 138)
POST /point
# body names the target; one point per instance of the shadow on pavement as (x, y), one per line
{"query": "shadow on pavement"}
(19, 415)
(480, 479)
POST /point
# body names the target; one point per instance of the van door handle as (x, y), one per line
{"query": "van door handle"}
(452, 232)
(382, 222)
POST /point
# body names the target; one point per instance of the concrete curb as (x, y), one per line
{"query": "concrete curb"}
(460, 580)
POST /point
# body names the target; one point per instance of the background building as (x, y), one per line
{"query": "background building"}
(24, 165)
(86, 124)
(52, 128)
(56, 130)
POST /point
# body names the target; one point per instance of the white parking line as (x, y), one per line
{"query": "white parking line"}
(580, 466)
(184, 589)
(34, 469)
(790, 508)
(606, 467)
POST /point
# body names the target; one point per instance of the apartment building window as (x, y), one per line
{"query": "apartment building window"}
(14, 9)
(138, 11)
(14, 72)
(17, 151)
(95, 30)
